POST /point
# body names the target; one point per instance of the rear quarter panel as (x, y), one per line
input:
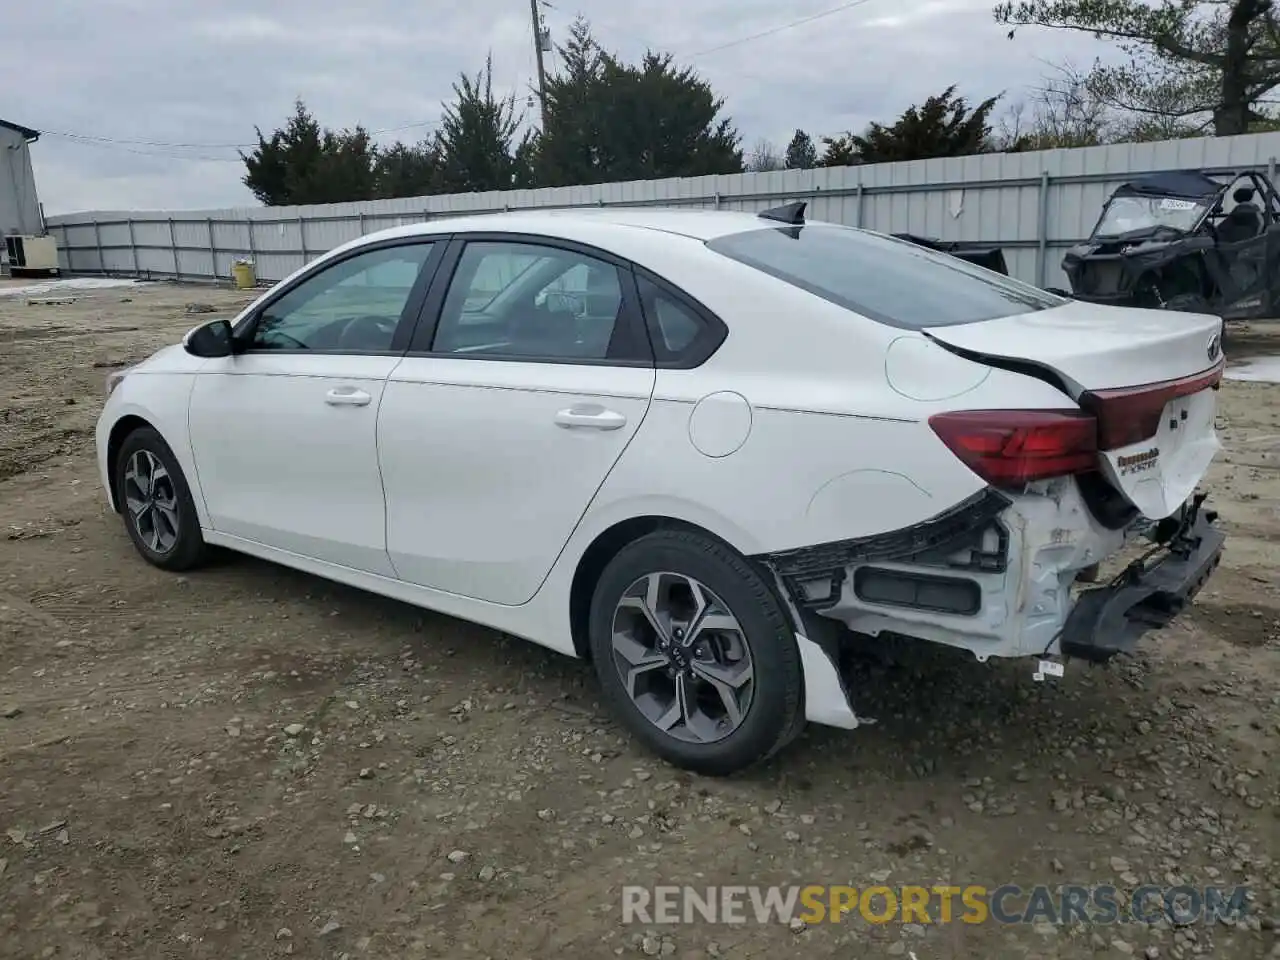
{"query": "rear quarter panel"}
(837, 443)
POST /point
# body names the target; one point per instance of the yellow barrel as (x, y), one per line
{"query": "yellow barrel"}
(243, 274)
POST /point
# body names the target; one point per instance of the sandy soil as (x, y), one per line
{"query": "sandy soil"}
(457, 793)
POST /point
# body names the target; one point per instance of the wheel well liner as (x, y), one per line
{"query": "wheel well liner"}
(119, 431)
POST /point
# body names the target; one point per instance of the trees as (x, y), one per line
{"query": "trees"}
(572, 146)
(475, 149)
(1191, 62)
(408, 171)
(477, 137)
(302, 163)
(1062, 112)
(608, 120)
(764, 157)
(801, 153)
(943, 126)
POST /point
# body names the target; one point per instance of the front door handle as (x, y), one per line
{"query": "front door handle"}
(347, 397)
(590, 415)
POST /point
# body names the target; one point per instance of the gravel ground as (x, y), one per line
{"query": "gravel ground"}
(250, 762)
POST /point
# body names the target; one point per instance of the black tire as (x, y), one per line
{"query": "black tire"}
(775, 715)
(188, 549)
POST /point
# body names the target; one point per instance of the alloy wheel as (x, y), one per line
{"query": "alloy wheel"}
(152, 501)
(683, 658)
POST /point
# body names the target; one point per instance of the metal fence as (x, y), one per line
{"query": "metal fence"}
(1031, 204)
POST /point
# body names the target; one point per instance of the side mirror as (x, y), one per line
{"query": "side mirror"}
(212, 339)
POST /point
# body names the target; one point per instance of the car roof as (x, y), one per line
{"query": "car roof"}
(620, 222)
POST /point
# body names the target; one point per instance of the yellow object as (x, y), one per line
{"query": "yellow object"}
(243, 274)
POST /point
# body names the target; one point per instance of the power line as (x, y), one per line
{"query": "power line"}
(141, 143)
(127, 145)
(778, 29)
(146, 153)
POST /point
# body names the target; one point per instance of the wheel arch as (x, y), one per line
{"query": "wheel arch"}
(120, 430)
(606, 545)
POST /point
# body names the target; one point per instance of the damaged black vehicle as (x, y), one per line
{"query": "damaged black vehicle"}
(1186, 241)
(981, 254)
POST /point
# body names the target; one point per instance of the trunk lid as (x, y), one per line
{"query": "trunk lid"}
(1094, 347)
(1148, 376)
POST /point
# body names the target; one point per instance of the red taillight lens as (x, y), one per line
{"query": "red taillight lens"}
(1132, 414)
(1008, 448)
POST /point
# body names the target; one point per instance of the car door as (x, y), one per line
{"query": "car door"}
(528, 376)
(284, 431)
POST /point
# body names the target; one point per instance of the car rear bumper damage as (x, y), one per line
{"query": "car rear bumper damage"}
(1150, 592)
(998, 575)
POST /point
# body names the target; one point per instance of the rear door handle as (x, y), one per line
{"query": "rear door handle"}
(347, 397)
(590, 415)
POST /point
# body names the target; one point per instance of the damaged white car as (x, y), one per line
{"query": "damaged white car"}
(700, 448)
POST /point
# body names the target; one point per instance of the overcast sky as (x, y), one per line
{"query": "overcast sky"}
(141, 81)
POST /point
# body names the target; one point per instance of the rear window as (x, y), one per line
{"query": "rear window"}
(889, 280)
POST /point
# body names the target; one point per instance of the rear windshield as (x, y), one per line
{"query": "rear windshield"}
(889, 280)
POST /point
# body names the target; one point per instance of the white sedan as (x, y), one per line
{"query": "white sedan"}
(702, 449)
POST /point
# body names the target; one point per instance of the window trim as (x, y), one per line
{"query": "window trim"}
(243, 332)
(629, 312)
(709, 340)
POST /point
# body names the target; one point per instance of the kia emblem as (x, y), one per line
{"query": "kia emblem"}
(1215, 347)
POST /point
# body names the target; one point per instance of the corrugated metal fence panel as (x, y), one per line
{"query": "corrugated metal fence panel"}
(1032, 204)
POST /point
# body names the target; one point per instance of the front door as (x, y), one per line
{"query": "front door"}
(284, 432)
(497, 433)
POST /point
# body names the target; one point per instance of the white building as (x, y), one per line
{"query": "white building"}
(19, 203)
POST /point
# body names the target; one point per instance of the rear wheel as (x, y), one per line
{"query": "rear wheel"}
(695, 654)
(156, 503)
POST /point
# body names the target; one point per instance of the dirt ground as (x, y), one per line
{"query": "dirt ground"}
(455, 793)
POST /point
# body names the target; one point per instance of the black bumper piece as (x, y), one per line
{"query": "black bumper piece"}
(1149, 593)
(932, 543)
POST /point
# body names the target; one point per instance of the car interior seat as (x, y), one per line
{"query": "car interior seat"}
(1245, 219)
(544, 329)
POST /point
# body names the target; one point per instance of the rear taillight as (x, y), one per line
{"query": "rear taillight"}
(1008, 448)
(1130, 415)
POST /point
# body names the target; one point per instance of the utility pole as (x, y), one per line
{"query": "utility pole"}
(537, 50)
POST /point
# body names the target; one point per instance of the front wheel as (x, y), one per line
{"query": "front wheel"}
(695, 654)
(155, 502)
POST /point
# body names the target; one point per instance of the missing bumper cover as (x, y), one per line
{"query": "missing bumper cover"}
(917, 591)
(1109, 620)
(966, 537)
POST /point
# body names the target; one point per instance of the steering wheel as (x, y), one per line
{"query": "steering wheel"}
(366, 325)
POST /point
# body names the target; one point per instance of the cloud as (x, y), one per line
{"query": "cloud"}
(169, 93)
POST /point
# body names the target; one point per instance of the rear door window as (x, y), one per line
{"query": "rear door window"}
(889, 280)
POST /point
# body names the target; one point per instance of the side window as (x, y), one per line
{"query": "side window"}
(531, 301)
(678, 333)
(353, 305)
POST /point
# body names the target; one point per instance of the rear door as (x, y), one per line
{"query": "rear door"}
(529, 374)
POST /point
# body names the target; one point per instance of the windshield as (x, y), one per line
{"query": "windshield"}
(889, 280)
(1127, 214)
